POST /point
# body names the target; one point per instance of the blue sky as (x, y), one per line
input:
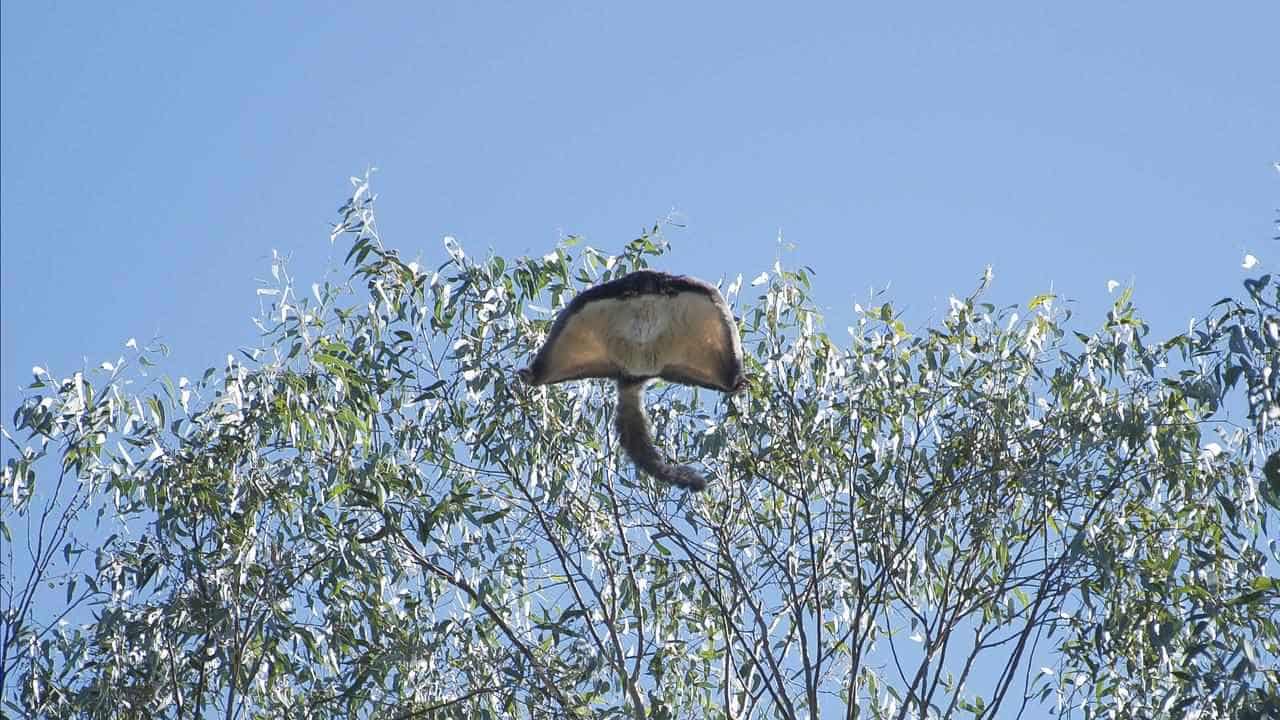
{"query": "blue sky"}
(153, 159)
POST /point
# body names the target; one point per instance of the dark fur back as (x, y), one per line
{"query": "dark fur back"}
(633, 432)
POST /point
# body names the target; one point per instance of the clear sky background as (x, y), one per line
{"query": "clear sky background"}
(153, 157)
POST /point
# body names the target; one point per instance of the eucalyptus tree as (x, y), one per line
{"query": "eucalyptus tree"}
(367, 515)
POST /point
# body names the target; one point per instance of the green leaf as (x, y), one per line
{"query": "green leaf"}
(1041, 299)
(495, 516)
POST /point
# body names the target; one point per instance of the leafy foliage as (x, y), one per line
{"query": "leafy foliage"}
(367, 516)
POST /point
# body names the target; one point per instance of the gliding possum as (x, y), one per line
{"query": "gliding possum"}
(642, 326)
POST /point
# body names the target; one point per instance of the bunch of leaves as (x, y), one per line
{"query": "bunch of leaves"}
(367, 515)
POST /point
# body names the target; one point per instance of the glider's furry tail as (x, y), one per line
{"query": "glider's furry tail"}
(633, 432)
